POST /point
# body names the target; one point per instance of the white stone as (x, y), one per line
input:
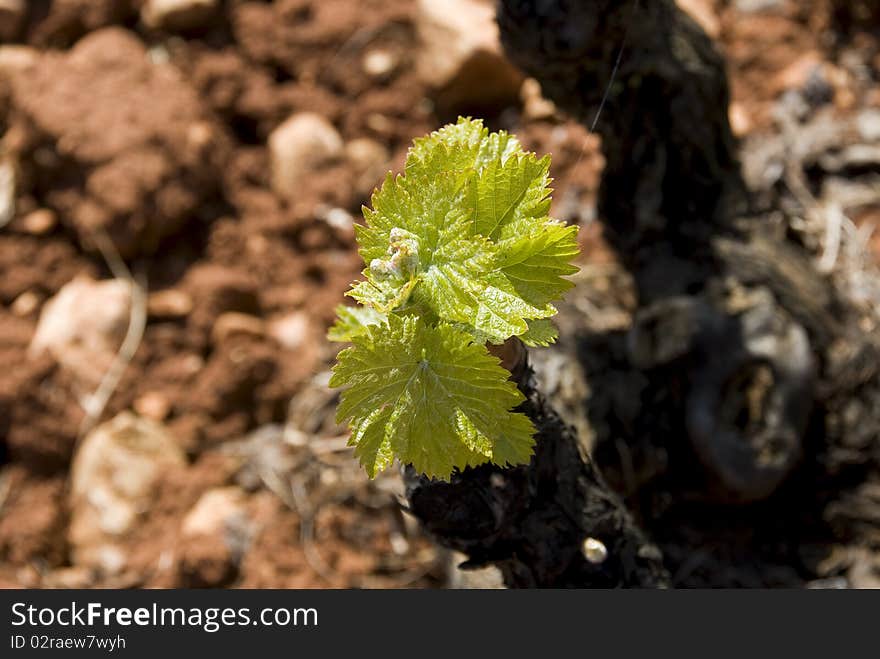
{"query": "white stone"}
(7, 191)
(14, 58)
(215, 512)
(112, 484)
(868, 123)
(758, 6)
(291, 330)
(302, 143)
(83, 325)
(379, 63)
(594, 551)
(340, 219)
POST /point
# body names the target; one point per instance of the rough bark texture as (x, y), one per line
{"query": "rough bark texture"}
(672, 193)
(532, 521)
(666, 116)
(745, 377)
(735, 325)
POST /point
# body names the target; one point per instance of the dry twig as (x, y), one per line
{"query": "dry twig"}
(95, 404)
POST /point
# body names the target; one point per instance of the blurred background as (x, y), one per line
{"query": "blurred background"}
(179, 181)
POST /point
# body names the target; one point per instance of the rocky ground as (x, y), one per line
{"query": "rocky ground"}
(179, 180)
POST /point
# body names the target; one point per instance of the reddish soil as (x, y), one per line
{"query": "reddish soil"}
(159, 141)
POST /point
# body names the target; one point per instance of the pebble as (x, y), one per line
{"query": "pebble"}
(169, 303)
(302, 143)
(595, 551)
(291, 331)
(83, 325)
(461, 57)
(12, 15)
(113, 478)
(215, 510)
(232, 322)
(177, 15)
(153, 405)
(7, 191)
(26, 303)
(379, 63)
(39, 222)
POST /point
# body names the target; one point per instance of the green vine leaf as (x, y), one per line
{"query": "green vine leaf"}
(465, 234)
(429, 396)
(537, 262)
(505, 191)
(460, 251)
(541, 333)
(353, 321)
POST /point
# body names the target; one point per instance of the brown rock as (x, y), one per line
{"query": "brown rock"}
(206, 563)
(70, 577)
(68, 20)
(32, 519)
(339, 220)
(39, 222)
(216, 534)
(137, 140)
(535, 106)
(216, 289)
(15, 58)
(26, 304)
(177, 15)
(40, 408)
(153, 405)
(796, 74)
(865, 571)
(369, 160)
(12, 15)
(303, 142)
(461, 56)
(365, 154)
(232, 323)
(170, 303)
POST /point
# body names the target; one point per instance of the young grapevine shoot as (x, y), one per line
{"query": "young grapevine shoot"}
(460, 252)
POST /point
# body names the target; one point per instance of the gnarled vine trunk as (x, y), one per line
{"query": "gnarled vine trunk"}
(533, 521)
(749, 371)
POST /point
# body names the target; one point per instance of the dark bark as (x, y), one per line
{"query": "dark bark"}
(532, 521)
(857, 14)
(744, 377)
(670, 178)
(734, 324)
(746, 372)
